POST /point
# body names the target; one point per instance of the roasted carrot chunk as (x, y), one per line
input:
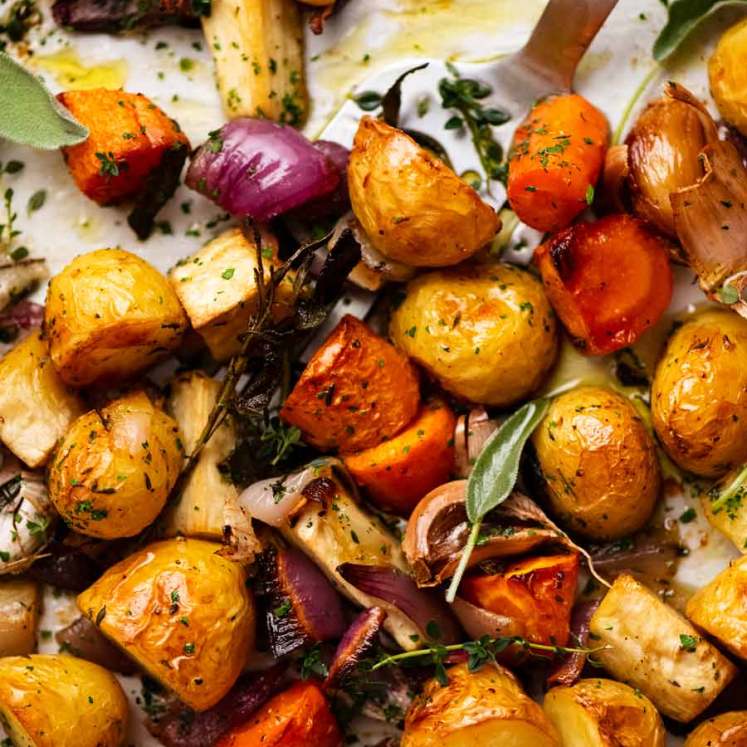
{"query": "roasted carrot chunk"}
(297, 717)
(608, 281)
(400, 471)
(535, 593)
(129, 137)
(556, 158)
(356, 391)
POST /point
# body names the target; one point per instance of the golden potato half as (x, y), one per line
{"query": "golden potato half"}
(56, 700)
(727, 75)
(485, 332)
(115, 468)
(724, 730)
(486, 708)
(720, 608)
(109, 316)
(699, 394)
(598, 463)
(182, 612)
(413, 207)
(604, 713)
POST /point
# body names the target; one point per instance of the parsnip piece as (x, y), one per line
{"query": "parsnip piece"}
(652, 647)
(258, 50)
(19, 614)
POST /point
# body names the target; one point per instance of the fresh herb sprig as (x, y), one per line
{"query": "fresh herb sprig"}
(465, 95)
(479, 652)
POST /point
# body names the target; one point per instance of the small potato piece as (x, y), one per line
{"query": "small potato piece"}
(399, 472)
(115, 468)
(652, 647)
(486, 333)
(355, 392)
(728, 77)
(536, 592)
(720, 608)
(182, 612)
(19, 614)
(486, 708)
(604, 713)
(699, 394)
(555, 162)
(216, 286)
(598, 463)
(724, 730)
(109, 316)
(55, 700)
(297, 717)
(414, 209)
(128, 137)
(608, 281)
(35, 406)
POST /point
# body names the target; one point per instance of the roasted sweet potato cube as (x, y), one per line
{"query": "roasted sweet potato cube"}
(129, 136)
(537, 593)
(356, 391)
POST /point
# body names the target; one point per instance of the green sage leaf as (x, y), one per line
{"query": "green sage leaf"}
(684, 16)
(29, 114)
(496, 469)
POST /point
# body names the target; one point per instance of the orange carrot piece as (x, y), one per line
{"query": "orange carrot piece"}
(556, 159)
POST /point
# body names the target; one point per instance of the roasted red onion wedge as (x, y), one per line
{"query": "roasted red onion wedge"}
(302, 606)
(83, 639)
(568, 668)
(470, 436)
(389, 585)
(257, 168)
(358, 640)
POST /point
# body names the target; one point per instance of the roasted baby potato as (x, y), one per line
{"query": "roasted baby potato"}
(597, 463)
(414, 209)
(699, 394)
(115, 468)
(724, 730)
(109, 316)
(536, 593)
(725, 506)
(728, 78)
(355, 392)
(400, 471)
(720, 608)
(608, 281)
(217, 287)
(129, 136)
(604, 713)
(36, 408)
(297, 717)
(257, 46)
(55, 700)
(556, 159)
(486, 333)
(486, 707)
(647, 644)
(19, 613)
(182, 612)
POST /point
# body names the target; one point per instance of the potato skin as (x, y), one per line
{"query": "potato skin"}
(182, 612)
(486, 333)
(724, 730)
(399, 472)
(355, 392)
(110, 315)
(486, 707)
(36, 408)
(413, 207)
(598, 462)
(604, 713)
(115, 468)
(699, 394)
(720, 607)
(641, 642)
(728, 77)
(56, 700)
